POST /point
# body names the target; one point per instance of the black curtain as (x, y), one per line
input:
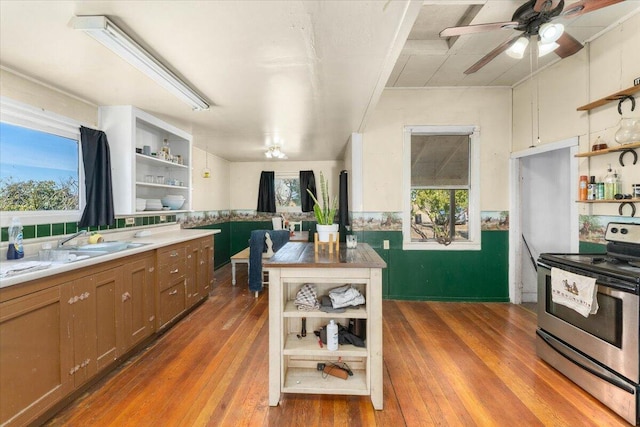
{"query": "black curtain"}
(97, 178)
(343, 204)
(267, 193)
(307, 181)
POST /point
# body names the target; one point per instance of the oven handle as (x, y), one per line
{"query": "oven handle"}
(586, 364)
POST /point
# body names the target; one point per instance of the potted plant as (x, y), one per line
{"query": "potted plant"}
(324, 213)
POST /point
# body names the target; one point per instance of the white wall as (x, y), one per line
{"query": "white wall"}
(50, 99)
(488, 108)
(210, 193)
(244, 178)
(606, 65)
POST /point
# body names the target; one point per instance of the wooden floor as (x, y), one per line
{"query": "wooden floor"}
(457, 364)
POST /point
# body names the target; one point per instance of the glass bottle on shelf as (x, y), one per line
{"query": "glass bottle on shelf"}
(609, 184)
(165, 150)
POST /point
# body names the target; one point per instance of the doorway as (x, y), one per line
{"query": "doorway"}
(545, 218)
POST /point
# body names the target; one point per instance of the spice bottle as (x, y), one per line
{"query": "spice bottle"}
(582, 188)
(609, 184)
(591, 188)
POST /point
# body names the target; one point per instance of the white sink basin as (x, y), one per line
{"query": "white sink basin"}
(105, 246)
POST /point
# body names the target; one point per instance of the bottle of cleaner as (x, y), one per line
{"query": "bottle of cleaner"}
(609, 184)
(15, 250)
(332, 336)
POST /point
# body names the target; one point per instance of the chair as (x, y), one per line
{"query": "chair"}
(297, 225)
(257, 248)
(277, 223)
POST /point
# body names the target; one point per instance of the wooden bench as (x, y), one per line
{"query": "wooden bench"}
(241, 257)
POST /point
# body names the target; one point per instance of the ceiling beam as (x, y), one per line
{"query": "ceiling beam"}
(425, 47)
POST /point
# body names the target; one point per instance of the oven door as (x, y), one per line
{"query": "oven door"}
(610, 336)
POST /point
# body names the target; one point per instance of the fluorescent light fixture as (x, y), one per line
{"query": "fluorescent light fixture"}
(545, 48)
(107, 33)
(517, 49)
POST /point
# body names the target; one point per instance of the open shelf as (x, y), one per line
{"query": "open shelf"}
(290, 310)
(618, 148)
(611, 98)
(307, 380)
(308, 346)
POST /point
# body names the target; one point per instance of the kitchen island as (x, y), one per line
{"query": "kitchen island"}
(293, 355)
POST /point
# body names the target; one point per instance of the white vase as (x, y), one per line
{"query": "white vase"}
(325, 230)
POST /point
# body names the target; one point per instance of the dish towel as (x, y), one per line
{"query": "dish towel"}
(574, 291)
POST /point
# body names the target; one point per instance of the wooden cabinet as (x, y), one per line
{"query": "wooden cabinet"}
(137, 302)
(199, 269)
(293, 359)
(136, 175)
(60, 332)
(93, 324)
(172, 277)
(35, 354)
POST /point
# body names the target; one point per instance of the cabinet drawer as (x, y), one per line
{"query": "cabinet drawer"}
(172, 302)
(170, 274)
(172, 254)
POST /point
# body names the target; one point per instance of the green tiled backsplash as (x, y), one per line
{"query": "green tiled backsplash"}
(62, 228)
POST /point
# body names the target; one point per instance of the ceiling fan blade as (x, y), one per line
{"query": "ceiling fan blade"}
(585, 6)
(568, 45)
(545, 5)
(480, 28)
(491, 55)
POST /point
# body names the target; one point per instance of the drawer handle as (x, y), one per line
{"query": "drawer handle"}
(174, 254)
(175, 291)
(126, 296)
(151, 269)
(174, 271)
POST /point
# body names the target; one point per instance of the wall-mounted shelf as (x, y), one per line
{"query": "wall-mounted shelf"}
(610, 201)
(611, 98)
(618, 148)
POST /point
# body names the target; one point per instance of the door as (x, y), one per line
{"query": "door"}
(546, 210)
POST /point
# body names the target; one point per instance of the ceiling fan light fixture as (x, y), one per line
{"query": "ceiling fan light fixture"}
(549, 33)
(545, 48)
(517, 49)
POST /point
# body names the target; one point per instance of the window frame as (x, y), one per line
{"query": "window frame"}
(288, 175)
(24, 115)
(473, 219)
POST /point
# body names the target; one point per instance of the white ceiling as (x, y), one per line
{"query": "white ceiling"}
(305, 72)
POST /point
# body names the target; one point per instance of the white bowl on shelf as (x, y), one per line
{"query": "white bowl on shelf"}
(172, 202)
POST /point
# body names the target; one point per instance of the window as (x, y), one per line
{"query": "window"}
(40, 171)
(287, 187)
(441, 188)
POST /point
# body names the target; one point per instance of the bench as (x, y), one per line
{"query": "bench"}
(241, 257)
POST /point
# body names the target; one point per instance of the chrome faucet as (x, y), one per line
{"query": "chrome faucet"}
(73, 236)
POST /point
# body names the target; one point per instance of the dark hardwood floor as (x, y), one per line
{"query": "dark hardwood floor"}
(458, 364)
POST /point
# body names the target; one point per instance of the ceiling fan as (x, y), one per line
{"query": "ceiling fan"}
(534, 18)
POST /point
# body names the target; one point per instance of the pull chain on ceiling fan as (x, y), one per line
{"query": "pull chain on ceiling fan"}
(534, 19)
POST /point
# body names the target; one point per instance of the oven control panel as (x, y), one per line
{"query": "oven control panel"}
(621, 232)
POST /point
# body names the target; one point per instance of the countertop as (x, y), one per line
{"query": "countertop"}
(159, 237)
(303, 255)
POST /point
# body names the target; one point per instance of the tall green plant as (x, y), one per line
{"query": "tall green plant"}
(326, 212)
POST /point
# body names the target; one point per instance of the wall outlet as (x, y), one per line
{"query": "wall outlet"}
(385, 244)
(163, 218)
(130, 221)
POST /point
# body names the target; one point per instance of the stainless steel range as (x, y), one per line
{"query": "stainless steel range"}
(599, 352)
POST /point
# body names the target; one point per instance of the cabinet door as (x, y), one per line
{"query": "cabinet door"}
(205, 266)
(94, 323)
(35, 354)
(137, 303)
(194, 293)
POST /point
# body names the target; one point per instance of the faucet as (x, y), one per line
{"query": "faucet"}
(73, 236)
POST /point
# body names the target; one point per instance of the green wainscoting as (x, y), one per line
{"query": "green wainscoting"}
(410, 275)
(444, 275)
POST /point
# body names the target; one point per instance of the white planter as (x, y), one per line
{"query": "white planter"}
(325, 230)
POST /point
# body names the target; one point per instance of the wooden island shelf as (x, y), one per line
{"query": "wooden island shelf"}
(293, 359)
